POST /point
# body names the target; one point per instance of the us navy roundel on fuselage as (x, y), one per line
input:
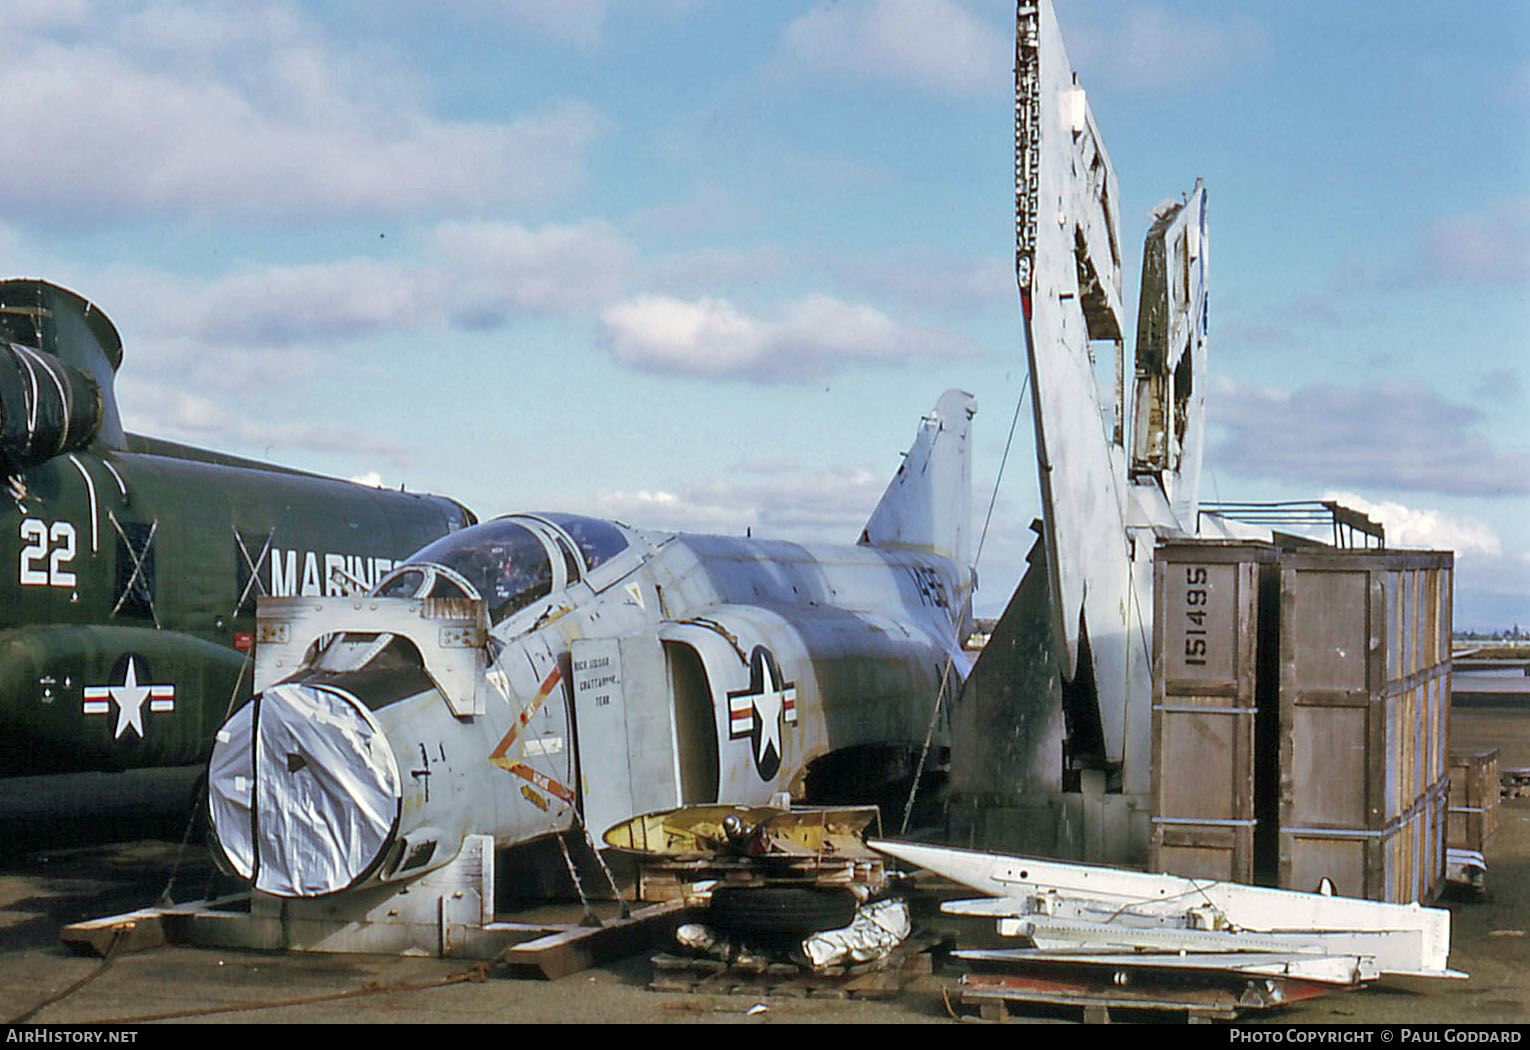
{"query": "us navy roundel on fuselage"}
(757, 713)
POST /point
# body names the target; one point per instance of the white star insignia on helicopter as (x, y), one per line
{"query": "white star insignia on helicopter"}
(129, 697)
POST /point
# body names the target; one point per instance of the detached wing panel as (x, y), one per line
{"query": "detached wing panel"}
(1169, 410)
(1069, 271)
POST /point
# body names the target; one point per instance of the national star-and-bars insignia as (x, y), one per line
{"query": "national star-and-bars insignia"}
(130, 697)
(759, 711)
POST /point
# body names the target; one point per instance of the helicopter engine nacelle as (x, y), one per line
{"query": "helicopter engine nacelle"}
(46, 407)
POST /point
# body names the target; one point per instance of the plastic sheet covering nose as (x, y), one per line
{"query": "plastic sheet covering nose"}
(231, 790)
(304, 791)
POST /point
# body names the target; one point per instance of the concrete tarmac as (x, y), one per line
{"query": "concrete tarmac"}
(54, 871)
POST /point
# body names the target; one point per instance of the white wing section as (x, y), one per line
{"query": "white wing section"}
(1068, 263)
(1133, 907)
(1102, 512)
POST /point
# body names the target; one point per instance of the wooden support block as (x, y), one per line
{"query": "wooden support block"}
(580, 947)
(134, 932)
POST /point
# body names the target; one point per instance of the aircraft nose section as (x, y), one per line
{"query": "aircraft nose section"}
(303, 791)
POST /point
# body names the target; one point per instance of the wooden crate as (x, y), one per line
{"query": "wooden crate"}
(1473, 803)
(1206, 633)
(1364, 702)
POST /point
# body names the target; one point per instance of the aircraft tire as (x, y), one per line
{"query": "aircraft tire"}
(781, 911)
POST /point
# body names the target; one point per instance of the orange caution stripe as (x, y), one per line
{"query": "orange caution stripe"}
(540, 779)
(548, 685)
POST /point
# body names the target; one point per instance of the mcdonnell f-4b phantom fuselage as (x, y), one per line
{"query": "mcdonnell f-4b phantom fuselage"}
(536, 670)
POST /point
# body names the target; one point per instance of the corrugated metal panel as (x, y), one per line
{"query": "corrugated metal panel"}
(1364, 687)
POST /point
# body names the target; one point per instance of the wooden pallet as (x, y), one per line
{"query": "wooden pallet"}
(997, 996)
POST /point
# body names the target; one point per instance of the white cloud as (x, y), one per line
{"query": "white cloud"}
(812, 337)
(937, 281)
(935, 44)
(1156, 51)
(822, 506)
(712, 269)
(472, 275)
(248, 111)
(582, 23)
(1487, 247)
(1425, 528)
(1492, 591)
(22, 16)
(287, 305)
(483, 275)
(1398, 436)
(491, 269)
(168, 411)
(574, 21)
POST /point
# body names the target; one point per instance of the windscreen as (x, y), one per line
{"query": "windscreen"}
(599, 541)
(505, 563)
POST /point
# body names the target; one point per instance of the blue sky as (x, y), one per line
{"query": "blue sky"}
(704, 264)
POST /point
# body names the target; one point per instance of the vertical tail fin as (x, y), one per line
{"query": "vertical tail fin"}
(928, 503)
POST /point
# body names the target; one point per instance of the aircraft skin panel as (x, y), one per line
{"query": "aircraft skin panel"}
(1080, 501)
(622, 708)
(859, 676)
(1089, 453)
(767, 702)
(789, 683)
(66, 704)
(804, 688)
(1067, 225)
(800, 650)
(1169, 408)
(710, 570)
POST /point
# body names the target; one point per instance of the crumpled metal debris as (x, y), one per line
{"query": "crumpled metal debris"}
(878, 928)
(875, 931)
(714, 944)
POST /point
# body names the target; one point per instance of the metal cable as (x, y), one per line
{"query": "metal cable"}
(106, 960)
(945, 675)
(476, 975)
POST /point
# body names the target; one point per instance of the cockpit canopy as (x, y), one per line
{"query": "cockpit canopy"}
(509, 562)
